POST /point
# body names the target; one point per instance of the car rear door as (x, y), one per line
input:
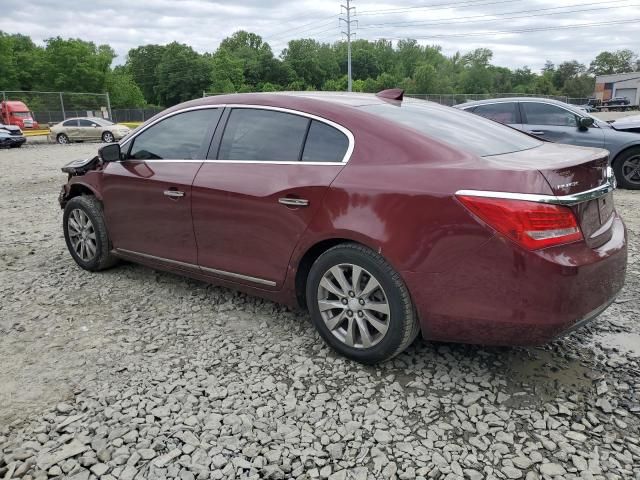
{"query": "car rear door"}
(147, 196)
(268, 172)
(559, 125)
(502, 112)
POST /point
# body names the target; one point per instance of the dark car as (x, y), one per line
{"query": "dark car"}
(617, 101)
(383, 217)
(563, 123)
(11, 136)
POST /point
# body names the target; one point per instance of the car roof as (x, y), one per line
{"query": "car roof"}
(510, 99)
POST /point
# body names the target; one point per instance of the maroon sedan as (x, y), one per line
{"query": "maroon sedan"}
(384, 217)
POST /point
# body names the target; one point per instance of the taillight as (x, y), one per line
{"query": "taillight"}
(530, 224)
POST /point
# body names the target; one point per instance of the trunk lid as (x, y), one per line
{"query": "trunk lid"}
(571, 170)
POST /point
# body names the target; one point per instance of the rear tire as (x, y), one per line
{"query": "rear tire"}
(62, 139)
(85, 233)
(360, 305)
(627, 169)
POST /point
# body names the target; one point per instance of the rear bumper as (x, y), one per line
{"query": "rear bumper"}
(504, 295)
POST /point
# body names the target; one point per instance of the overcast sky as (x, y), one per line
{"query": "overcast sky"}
(456, 25)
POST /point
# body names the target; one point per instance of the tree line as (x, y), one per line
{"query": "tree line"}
(165, 75)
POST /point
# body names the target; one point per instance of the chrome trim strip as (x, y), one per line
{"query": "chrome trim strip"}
(239, 276)
(337, 126)
(192, 266)
(567, 200)
(266, 162)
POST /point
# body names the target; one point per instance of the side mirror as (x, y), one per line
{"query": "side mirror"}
(110, 153)
(585, 122)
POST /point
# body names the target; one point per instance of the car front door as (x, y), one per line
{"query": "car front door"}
(559, 125)
(71, 129)
(147, 195)
(267, 175)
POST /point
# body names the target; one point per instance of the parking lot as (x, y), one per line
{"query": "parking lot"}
(134, 373)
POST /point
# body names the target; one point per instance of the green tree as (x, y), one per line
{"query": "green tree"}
(74, 65)
(123, 91)
(227, 73)
(620, 61)
(183, 74)
(142, 63)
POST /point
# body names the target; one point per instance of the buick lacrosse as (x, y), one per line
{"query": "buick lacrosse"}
(384, 217)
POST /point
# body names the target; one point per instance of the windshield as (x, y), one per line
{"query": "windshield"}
(22, 114)
(460, 129)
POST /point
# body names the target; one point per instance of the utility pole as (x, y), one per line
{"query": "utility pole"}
(348, 8)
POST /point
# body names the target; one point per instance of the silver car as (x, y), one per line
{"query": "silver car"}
(563, 123)
(87, 129)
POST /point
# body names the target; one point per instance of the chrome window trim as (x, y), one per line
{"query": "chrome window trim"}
(337, 126)
(195, 267)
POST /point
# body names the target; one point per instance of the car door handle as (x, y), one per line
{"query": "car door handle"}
(294, 202)
(173, 193)
(537, 132)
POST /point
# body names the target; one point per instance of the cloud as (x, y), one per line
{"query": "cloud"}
(456, 25)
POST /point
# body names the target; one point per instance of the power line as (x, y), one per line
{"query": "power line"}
(289, 32)
(440, 6)
(497, 17)
(524, 30)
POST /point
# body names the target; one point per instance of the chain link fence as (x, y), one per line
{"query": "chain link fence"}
(53, 107)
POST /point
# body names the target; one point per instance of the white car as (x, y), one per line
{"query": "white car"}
(87, 129)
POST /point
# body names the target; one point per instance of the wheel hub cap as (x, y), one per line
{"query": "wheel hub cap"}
(82, 235)
(353, 306)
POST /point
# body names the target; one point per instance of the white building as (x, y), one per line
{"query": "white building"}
(619, 85)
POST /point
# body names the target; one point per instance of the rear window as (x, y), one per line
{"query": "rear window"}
(460, 129)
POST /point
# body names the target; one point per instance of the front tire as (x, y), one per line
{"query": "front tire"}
(107, 137)
(627, 169)
(360, 305)
(85, 233)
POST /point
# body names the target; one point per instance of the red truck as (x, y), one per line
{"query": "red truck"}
(17, 113)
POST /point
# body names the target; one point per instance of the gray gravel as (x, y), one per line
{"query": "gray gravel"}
(133, 373)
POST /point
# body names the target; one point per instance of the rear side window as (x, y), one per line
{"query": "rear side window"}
(498, 112)
(460, 129)
(263, 135)
(179, 137)
(70, 123)
(324, 144)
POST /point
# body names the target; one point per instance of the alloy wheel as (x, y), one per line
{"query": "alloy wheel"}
(82, 235)
(631, 169)
(353, 306)
(108, 137)
(63, 139)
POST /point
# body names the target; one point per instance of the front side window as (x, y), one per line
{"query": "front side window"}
(498, 112)
(179, 137)
(324, 144)
(87, 123)
(263, 135)
(546, 114)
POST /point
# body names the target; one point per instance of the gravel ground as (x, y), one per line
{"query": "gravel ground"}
(133, 373)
